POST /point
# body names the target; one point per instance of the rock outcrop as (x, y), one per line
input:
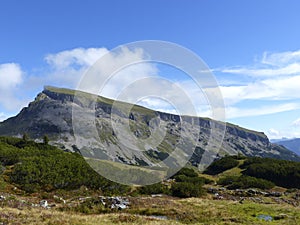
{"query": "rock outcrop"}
(52, 113)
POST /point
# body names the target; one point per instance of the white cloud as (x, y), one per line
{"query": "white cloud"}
(273, 133)
(281, 58)
(275, 77)
(3, 116)
(290, 69)
(10, 76)
(271, 64)
(115, 72)
(236, 112)
(296, 123)
(158, 104)
(273, 81)
(284, 88)
(75, 57)
(72, 66)
(161, 94)
(67, 67)
(270, 90)
(278, 88)
(280, 134)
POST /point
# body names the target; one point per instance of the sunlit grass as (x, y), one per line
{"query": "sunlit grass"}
(177, 211)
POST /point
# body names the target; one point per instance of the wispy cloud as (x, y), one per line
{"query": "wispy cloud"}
(296, 123)
(271, 64)
(278, 88)
(274, 134)
(279, 134)
(281, 58)
(275, 77)
(290, 69)
(237, 112)
(271, 84)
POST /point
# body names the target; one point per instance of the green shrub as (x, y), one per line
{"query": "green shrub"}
(222, 165)
(188, 172)
(186, 190)
(193, 180)
(234, 182)
(157, 188)
(281, 172)
(227, 180)
(39, 166)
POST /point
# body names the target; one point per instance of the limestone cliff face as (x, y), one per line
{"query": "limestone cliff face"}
(51, 114)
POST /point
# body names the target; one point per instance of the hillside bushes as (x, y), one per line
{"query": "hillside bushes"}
(186, 190)
(188, 184)
(222, 165)
(281, 172)
(157, 188)
(243, 182)
(39, 166)
(184, 184)
(258, 172)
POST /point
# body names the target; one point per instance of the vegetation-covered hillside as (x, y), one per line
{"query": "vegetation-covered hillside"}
(39, 166)
(31, 172)
(35, 167)
(257, 172)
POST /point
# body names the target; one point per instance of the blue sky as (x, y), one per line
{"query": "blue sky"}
(252, 47)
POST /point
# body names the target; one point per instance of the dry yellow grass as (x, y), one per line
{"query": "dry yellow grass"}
(53, 217)
(177, 211)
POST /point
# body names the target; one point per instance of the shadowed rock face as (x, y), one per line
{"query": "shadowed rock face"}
(51, 114)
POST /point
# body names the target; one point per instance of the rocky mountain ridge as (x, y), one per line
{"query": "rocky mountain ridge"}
(52, 114)
(291, 144)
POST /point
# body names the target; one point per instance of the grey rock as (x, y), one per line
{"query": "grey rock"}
(51, 114)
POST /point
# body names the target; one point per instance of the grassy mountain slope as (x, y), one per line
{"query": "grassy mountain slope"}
(51, 114)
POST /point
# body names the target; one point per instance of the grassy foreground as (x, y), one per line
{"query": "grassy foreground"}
(31, 172)
(170, 211)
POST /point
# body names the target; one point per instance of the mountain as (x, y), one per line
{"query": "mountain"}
(291, 144)
(51, 114)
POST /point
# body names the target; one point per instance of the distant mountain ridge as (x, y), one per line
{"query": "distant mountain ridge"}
(51, 114)
(291, 144)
